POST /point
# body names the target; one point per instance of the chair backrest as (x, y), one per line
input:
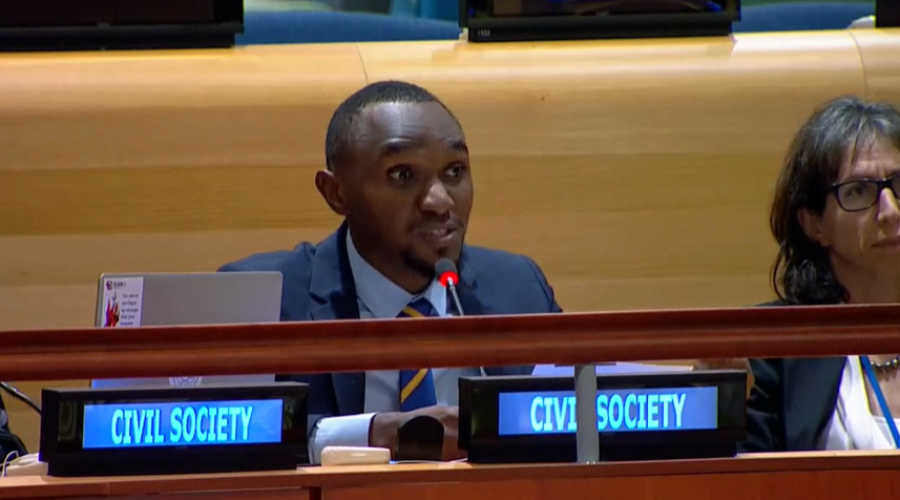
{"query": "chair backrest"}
(801, 16)
(791, 16)
(264, 28)
(443, 10)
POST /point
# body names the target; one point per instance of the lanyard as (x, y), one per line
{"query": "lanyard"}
(885, 411)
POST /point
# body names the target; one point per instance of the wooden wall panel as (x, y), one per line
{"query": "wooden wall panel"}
(163, 161)
(637, 173)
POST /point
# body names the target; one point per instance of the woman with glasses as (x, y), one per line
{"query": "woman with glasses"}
(836, 219)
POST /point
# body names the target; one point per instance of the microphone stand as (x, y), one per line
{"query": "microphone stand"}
(12, 391)
(454, 297)
(587, 437)
(451, 286)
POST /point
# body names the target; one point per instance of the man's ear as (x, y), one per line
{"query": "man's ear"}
(330, 189)
(813, 227)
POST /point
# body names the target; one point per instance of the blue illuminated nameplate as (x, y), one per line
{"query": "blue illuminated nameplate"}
(621, 410)
(182, 424)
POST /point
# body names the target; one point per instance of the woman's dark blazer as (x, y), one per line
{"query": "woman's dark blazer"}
(792, 401)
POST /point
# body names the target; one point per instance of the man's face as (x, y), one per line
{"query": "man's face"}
(406, 186)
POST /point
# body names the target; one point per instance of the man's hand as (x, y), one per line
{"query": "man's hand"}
(728, 364)
(383, 432)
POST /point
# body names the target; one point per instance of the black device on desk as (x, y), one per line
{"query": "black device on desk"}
(887, 14)
(61, 25)
(653, 416)
(535, 20)
(174, 430)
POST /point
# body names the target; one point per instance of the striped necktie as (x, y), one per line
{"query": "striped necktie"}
(417, 386)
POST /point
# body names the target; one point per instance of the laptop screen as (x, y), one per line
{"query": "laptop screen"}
(173, 299)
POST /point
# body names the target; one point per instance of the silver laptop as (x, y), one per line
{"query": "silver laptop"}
(172, 299)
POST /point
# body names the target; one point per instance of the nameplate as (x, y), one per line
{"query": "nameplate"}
(174, 430)
(182, 424)
(639, 416)
(654, 410)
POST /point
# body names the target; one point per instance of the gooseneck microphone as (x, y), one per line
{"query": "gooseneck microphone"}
(445, 270)
(12, 391)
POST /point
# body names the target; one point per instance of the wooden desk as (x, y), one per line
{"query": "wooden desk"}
(820, 475)
(305, 347)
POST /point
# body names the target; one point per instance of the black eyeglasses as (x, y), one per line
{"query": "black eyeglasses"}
(855, 196)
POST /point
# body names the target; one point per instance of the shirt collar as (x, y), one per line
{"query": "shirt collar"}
(381, 296)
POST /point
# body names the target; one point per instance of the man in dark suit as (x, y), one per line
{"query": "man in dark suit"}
(398, 172)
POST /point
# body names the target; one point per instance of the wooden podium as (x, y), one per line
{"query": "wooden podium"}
(491, 340)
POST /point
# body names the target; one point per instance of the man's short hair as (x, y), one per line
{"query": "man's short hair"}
(340, 128)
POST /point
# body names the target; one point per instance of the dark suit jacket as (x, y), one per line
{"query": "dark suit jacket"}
(318, 286)
(792, 401)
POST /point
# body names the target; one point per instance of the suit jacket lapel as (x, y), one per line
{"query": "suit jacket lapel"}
(468, 290)
(473, 306)
(333, 289)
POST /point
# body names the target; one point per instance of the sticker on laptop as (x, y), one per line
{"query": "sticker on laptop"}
(122, 301)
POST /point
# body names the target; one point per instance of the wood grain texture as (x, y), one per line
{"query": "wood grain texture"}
(859, 474)
(620, 147)
(869, 485)
(878, 50)
(637, 173)
(327, 346)
(197, 488)
(128, 161)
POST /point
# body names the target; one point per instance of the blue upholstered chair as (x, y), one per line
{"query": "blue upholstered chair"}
(443, 10)
(324, 27)
(800, 16)
(262, 28)
(781, 16)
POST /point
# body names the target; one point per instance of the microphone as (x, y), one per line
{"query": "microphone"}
(12, 391)
(445, 270)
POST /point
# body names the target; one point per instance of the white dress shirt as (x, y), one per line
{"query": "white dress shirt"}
(378, 297)
(852, 426)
